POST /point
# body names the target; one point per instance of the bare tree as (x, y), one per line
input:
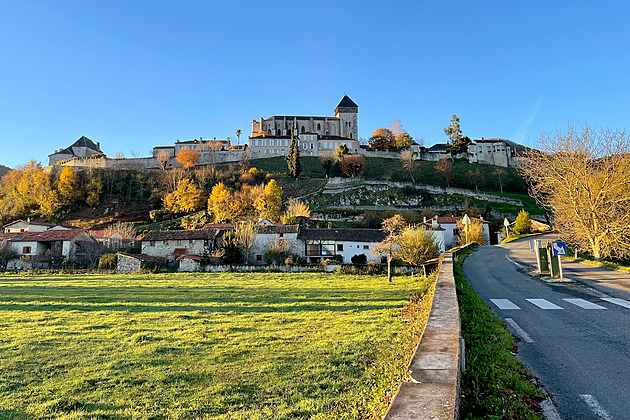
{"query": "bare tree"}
(394, 226)
(327, 161)
(581, 176)
(409, 163)
(171, 178)
(163, 157)
(500, 173)
(444, 168)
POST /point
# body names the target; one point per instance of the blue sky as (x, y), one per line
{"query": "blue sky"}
(134, 74)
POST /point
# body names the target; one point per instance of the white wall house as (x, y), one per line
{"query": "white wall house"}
(320, 244)
(270, 235)
(451, 231)
(21, 226)
(52, 246)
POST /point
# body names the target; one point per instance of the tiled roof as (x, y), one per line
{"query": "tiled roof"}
(177, 235)
(351, 235)
(277, 229)
(85, 142)
(439, 147)
(103, 233)
(52, 235)
(218, 226)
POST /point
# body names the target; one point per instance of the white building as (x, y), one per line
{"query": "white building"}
(280, 236)
(320, 244)
(451, 231)
(21, 226)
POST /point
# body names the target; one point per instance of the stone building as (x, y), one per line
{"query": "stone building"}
(170, 244)
(82, 148)
(272, 136)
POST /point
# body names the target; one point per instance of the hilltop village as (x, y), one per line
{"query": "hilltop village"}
(303, 191)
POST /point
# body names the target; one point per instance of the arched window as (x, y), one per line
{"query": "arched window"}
(302, 130)
(312, 146)
(319, 126)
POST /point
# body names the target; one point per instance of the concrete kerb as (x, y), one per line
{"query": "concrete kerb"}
(435, 369)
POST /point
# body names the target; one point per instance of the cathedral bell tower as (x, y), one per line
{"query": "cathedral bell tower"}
(347, 112)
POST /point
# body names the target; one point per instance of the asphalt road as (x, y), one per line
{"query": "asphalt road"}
(574, 337)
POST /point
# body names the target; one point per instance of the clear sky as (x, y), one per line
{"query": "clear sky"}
(135, 74)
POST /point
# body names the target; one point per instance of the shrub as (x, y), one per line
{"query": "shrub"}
(359, 259)
(288, 261)
(338, 258)
(108, 262)
(523, 224)
(373, 267)
(353, 165)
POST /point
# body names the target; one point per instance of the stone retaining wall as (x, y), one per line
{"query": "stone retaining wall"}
(438, 360)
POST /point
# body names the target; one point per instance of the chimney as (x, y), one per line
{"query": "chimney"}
(98, 145)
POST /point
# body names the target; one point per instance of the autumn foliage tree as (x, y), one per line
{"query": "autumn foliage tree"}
(185, 198)
(382, 139)
(220, 202)
(68, 186)
(187, 157)
(581, 176)
(444, 169)
(353, 165)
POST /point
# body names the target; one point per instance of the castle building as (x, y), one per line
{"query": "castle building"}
(272, 136)
(82, 148)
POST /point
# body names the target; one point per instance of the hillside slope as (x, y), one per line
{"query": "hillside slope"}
(4, 170)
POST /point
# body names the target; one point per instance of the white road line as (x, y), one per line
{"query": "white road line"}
(596, 407)
(519, 330)
(584, 304)
(618, 301)
(504, 304)
(543, 304)
(549, 410)
(513, 262)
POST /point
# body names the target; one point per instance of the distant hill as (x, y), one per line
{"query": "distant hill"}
(4, 170)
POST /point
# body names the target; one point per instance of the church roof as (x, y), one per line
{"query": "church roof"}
(85, 142)
(347, 102)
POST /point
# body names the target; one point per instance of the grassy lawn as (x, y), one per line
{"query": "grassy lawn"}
(495, 384)
(188, 346)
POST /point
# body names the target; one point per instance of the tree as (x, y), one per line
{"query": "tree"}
(269, 204)
(474, 235)
(458, 142)
(295, 210)
(394, 226)
(327, 161)
(523, 224)
(500, 173)
(163, 157)
(244, 237)
(187, 157)
(238, 136)
(581, 176)
(402, 139)
(444, 168)
(382, 139)
(416, 245)
(126, 229)
(340, 152)
(186, 198)
(477, 178)
(6, 254)
(353, 165)
(409, 163)
(293, 158)
(68, 186)
(94, 190)
(220, 202)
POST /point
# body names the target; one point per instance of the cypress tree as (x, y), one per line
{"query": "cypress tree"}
(293, 157)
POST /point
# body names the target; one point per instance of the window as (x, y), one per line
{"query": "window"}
(366, 247)
(275, 142)
(312, 146)
(319, 126)
(282, 152)
(305, 146)
(281, 235)
(319, 144)
(258, 257)
(339, 247)
(164, 242)
(26, 250)
(336, 145)
(152, 243)
(302, 130)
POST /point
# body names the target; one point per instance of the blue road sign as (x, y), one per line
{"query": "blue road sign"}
(559, 248)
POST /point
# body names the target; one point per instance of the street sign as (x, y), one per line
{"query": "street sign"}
(559, 248)
(506, 222)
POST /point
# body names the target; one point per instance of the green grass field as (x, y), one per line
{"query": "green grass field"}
(188, 346)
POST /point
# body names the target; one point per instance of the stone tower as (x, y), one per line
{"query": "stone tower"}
(347, 112)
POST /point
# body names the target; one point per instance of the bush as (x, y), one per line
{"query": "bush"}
(523, 224)
(373, 267)
(338, 258)
(108, 262)
(359, 259)
(276, 256)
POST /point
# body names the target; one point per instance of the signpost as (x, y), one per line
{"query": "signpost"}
(466, 223)
(558, 249)
(506, 223)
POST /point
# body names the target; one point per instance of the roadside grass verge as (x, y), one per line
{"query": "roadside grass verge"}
(513, 238)
(211, 346)
(495, 384)
(608, 265)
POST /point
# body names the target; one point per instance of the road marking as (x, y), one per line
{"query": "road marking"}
(596, 407)
(584, 304)
(549, 410)
(513, 262)
(543, 304)
(618, 301)
(504, 304)
(519, 330)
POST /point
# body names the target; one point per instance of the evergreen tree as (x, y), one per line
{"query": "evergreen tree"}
(293, 158)
(523, 224)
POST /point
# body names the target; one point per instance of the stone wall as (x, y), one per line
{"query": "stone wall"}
(340, 185)
(127, 265)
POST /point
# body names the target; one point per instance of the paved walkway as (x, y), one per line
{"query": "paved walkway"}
(599, 278)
